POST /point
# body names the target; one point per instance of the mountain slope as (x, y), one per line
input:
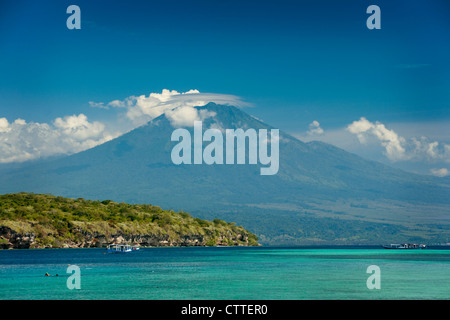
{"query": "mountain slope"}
(320, 194)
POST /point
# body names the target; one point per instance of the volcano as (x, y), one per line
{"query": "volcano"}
(320, 194)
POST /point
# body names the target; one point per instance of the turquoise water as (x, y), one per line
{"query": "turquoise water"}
(259, 273)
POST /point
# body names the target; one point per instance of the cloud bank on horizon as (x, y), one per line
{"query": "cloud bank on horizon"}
(22, 141)
(397, 148)
(376, 136)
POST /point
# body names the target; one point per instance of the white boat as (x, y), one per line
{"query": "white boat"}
(121, 248)
(405, 246)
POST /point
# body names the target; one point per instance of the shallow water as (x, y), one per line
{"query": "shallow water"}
(251, 273)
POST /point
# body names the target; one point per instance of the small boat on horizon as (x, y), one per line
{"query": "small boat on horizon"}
(121, 248)
(405, 246)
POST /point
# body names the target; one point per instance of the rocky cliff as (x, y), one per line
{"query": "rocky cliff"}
(10, 239)
(45, 221)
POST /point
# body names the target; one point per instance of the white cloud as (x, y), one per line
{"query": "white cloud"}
(141, 109)
(396, 147)
(4, 125)
(186, 115)
(389, 139)
(440, 172)
(78, 127)
(20, 122)
(24, 141)
(115, 104)
(314, 128)
(100, 105)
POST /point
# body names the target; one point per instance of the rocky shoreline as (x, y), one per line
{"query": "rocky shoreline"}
(10, 239)
(29, 221)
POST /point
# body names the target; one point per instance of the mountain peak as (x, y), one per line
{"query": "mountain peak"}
(316, 184)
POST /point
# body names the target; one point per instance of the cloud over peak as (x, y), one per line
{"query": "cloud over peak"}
(179, 106)
(21, 141)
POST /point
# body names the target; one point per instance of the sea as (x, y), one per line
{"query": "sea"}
(226, 273)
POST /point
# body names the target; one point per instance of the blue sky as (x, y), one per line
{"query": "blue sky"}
(295, 61)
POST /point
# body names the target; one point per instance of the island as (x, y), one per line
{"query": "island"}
(29, 221)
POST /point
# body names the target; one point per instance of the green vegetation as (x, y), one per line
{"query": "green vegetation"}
(41, 220)
(312, 227)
